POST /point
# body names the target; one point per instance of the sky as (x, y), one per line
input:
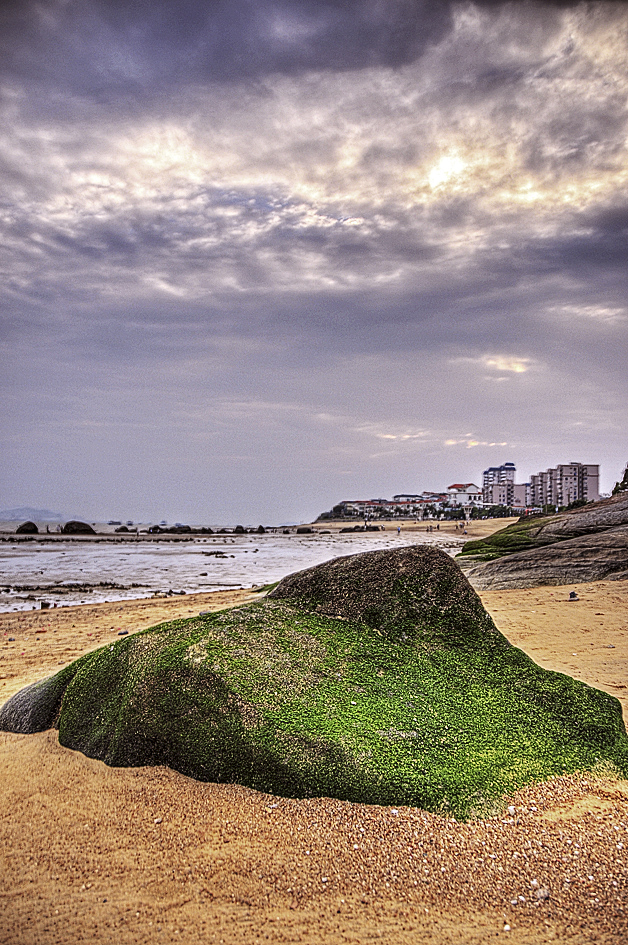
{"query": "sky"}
(260, 256)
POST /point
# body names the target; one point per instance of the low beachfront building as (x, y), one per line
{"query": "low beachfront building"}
(465, 494)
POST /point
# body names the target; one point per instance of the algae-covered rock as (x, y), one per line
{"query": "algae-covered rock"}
(584, 544)
(598, 557)
(377, 678)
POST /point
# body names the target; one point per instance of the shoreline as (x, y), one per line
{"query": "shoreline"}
(47, 571)
(477, 528)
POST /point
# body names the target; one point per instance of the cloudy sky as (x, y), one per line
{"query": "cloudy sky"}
(258, 256)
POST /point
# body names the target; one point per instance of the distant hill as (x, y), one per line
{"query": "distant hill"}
(27, 513)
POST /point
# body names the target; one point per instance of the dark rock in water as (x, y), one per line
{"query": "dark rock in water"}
(27, 528)
(239, 530)
(124, 528)
(596, 557)
(377, 678)
(260, 530)
(304, 530)
(77, 528)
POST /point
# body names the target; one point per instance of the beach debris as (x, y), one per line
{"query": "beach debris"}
(542, 893)
(573, 595)
(122, 633)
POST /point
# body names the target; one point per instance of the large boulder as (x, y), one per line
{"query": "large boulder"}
(538, 531)
(584, 544)
(77, 528)
(27, 528)
(377, 678)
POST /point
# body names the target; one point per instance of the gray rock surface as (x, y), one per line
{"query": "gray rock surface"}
(600, 556)
(599, 516)
(34, 708)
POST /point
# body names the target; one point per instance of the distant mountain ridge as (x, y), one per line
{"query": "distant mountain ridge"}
(27, 513)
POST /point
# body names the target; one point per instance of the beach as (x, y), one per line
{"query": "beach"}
(66, 570)
(95, 854)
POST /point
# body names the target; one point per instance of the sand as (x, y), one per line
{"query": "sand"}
(98, 854)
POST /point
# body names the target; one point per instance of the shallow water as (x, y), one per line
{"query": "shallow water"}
(79, 572)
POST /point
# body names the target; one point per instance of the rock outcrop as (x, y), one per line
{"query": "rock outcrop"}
(377, 678)
(598, 557)
(27, 528)
(585, 544)
(536, 531)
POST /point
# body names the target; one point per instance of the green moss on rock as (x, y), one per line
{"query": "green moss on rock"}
(377, 678)
(516, 537)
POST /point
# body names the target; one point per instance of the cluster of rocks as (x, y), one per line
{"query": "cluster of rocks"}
(363, 528)
(70, 528)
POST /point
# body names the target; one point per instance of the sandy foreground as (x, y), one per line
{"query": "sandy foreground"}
(96, 854)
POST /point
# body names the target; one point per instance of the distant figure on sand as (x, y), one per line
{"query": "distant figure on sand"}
(399, 529)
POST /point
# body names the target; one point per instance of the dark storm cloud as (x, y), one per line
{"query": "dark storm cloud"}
(106, 46)
(94, 47)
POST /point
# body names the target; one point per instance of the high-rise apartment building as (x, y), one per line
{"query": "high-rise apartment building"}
(564, 484)
(497, 484)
